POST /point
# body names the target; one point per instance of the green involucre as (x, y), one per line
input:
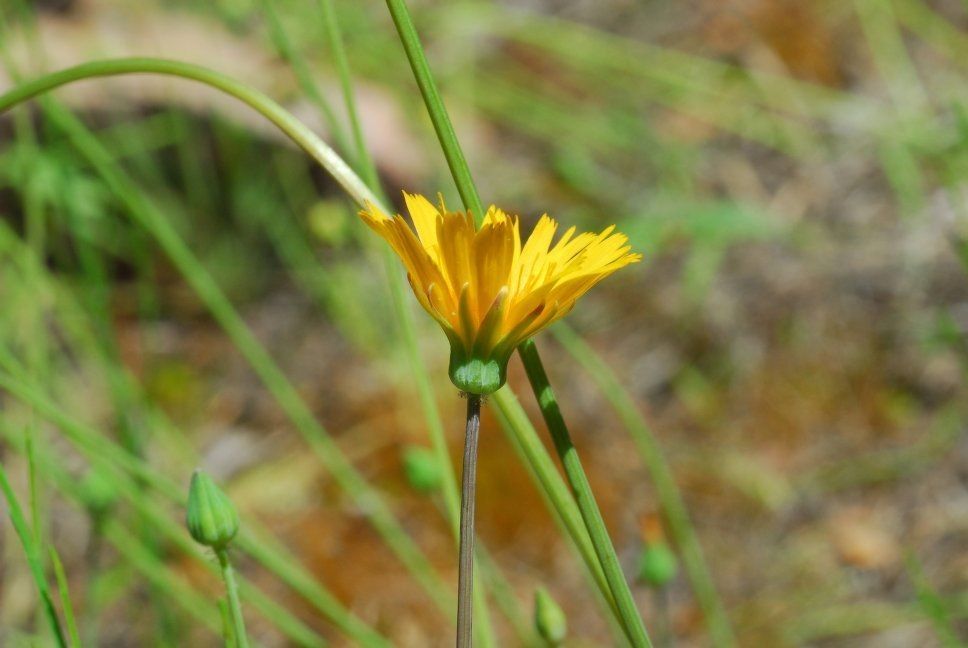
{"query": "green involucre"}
(475, 375)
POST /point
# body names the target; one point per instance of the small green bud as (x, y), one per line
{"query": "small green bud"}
(657, 564)
(549, 620)
(211, 517)
(98, 491)
(422, 469)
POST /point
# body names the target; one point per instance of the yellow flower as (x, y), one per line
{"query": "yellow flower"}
(487, 291)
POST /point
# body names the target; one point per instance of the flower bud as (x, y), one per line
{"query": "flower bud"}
(549, 620)
(422, 469)
(211, 517)
(98, 492)
(657, 564)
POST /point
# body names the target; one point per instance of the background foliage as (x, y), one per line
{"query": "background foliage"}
(793, 171)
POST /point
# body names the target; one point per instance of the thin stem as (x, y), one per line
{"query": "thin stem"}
(283, 119)
(235, 606)
(465, 577)
(582, 490)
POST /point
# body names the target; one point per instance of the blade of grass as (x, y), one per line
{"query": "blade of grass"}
(289, 52)
(523, 437)
(590, 513)
(65, 597)
(33, 557)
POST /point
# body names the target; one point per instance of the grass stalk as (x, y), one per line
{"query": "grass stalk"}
(159, 523)
(65, 597)
(288, 51)
(587, 506)
(34, 561)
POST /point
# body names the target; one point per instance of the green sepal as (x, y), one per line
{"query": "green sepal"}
(211, 517)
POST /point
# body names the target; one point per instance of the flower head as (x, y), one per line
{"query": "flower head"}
(487, 291)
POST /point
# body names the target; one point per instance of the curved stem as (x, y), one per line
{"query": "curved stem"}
(235, 605)
(465, 576)
(289, 125)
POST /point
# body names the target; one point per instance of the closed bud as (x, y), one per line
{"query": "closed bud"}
(657, 564)
(98, 491)
(211, 518)
(422, 469)
(549, 619)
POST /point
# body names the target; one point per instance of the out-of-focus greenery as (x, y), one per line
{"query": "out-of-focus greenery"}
(791, 337)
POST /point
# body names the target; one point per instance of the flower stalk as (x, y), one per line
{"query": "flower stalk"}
(235, 605)
(465, 576)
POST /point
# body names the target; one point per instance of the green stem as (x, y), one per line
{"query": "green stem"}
(235, 606)
(582, 490)
(676, 514)
(465, 574)
(524, 438)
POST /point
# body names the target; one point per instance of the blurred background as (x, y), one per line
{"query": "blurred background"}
(795, 173)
